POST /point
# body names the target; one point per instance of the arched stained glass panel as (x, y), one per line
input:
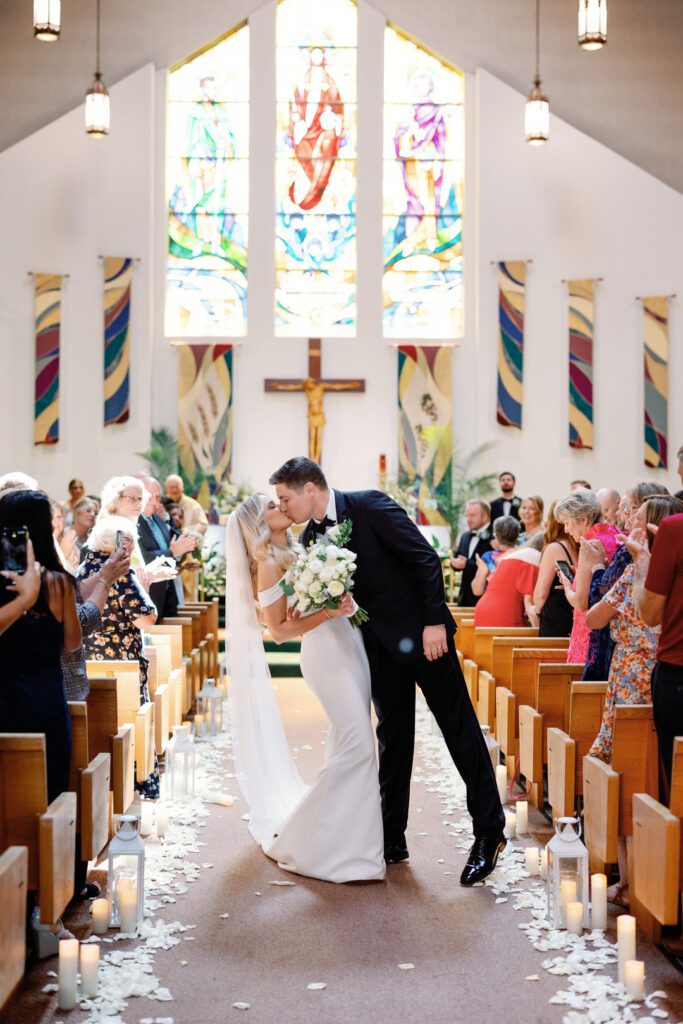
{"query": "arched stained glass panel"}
(424, 153)
(316, 168)
(207, 165)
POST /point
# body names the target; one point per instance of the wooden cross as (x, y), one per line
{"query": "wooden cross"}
(314, 387)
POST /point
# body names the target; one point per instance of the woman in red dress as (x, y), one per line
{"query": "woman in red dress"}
(508, 588)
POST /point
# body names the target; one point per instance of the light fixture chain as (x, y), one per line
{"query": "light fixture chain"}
(538, 34)
(97, 62)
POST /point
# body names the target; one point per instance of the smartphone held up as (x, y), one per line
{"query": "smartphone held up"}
(13, 544)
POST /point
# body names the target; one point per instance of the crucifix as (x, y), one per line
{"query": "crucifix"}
(314, 387)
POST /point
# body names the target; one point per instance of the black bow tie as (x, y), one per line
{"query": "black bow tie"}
(321, 527)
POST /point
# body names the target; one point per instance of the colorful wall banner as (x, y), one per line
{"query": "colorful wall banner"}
(425, 434)
(581, 325)
(511, 276)
(205, 414)
(118, 273)
(48, 314)
(656, 353)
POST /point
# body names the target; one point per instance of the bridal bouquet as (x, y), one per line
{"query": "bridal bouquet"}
(323, 573)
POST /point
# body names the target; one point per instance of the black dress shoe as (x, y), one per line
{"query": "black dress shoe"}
(482, 858)
(396, 854)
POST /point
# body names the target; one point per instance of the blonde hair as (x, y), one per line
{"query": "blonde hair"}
(580, 504)
(102, 537)
(659, 507)
(538, 502)
(114, 488)
(251, 516)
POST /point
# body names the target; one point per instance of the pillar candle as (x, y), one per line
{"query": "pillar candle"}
(68, 970)
(502, 780)
(146, 818)
(198, 725)
(522, 817)
(162, 820)
(510, 824)
(626, 942)
(544, 864)
(128, 909)
(599, 901)
(574, 912)
(100, 916)
(567, 894)
(90, 967)
(634, 978)
(531, 858)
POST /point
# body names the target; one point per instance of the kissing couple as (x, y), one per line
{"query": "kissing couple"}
(351, 822)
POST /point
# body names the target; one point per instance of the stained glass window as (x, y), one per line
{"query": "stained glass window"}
(207, 163)
(316, 168)
(424, 144)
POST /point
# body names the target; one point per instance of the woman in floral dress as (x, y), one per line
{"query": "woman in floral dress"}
(129, 609)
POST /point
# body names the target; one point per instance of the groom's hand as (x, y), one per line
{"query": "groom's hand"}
(434, 642)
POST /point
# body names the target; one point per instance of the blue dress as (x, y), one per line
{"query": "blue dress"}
(32, 690)
(601, 645)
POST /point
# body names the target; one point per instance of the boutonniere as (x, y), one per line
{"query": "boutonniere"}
(516, 502)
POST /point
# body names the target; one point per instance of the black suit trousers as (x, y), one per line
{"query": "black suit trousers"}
(443, 685)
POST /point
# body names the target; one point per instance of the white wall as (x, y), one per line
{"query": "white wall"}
(578, 210)
(67, 200)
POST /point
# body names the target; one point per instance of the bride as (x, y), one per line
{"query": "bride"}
(332, 829)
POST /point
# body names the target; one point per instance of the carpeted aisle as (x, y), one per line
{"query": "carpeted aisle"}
(470, 957)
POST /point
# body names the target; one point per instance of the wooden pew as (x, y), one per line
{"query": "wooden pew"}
(13, 890)
(523, 677)
(553, 696)
(471, 674)
(531, 751)
(89, 780)
(600, 812)
(129, 709)
(587, 703)
(483, 641)
(503, 647)
(48, 832)
(185, 622)
(676, 796)
(486, 701)
(656, 858)
(464, 638)
(506, 728)
(635, 757)
(105, 737)
(561, 773)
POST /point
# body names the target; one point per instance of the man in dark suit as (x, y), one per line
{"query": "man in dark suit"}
(409, 638)
(476, 540)
(155, 539)
(508, 503)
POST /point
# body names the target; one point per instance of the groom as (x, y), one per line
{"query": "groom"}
(409, 638)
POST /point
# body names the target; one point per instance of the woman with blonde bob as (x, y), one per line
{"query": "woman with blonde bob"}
(330, 830)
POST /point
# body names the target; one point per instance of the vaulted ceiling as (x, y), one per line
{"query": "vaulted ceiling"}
(628, 96)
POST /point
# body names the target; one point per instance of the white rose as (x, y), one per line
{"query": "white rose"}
(316, 589)
(340, 572)
(333, 532)
(304, 604)
(335, 588)
(307, 576)
(315, 565)
(332, 551)
(327, 573)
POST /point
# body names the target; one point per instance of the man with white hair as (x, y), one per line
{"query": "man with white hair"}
(609, 503)
(194, 516)
(17, 481)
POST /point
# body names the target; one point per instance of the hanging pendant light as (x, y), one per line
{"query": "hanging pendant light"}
(97, 98)
(537, 109)
(592, 24)
(47, 20)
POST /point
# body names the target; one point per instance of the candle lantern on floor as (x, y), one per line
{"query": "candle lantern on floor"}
(567, 869)
(210, 703)
(181, 762)
(126, 867)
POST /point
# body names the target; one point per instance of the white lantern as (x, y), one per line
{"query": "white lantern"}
(210, 704)
(126, 868)
(97, 111)
(537, 116)
(181, 762)
(592, 24)
(492, 745)
(567, 871)
(47, 20)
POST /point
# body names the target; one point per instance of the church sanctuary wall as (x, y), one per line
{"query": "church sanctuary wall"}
(67, 200)
(578, 210)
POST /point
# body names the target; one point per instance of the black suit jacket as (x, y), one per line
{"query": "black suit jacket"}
(164, 593)
(466, 599)
(399, 581)
(497, 508)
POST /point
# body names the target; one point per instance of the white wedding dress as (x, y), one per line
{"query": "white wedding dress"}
(332, 829)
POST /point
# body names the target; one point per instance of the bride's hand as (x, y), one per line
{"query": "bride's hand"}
(345, 608)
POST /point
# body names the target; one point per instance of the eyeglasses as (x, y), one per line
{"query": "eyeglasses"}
(136, 498)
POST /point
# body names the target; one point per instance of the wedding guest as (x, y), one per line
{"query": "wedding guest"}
(578, 512)
(127, 611)
(609, 503)
(188, 565)
(530, 516)
(16, 481)
(508, 503)
(85, 514)
(507, 591)
(123, 496)
(76, 492)
(604, 574)
(156, 541)
(57, 517)
(551, 610)
(194, 516)
(576, 485)
(476, 540)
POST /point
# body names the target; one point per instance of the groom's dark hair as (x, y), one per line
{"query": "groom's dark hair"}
(299, 471)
